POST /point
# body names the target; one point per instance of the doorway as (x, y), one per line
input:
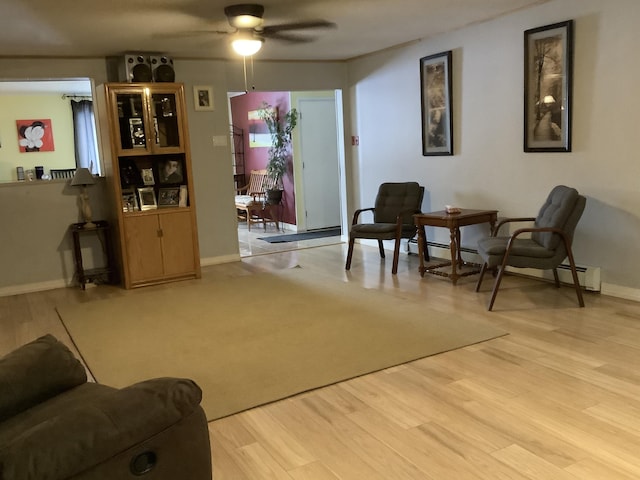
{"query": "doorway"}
(318, 194)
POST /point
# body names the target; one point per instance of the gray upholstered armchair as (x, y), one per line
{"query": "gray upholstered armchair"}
(549, 243)
(55, 425)
(395, 205)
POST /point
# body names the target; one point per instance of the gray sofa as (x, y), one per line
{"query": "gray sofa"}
(55, 425)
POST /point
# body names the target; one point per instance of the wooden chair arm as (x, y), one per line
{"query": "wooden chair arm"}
(509, 220)
(357, 213)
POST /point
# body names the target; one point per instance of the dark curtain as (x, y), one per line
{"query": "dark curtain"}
(85, 137)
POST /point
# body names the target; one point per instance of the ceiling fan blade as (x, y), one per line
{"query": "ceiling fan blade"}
(303, 25)
(288, 37)
(191, 33)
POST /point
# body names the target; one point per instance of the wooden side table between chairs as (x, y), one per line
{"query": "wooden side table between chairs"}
(452, 221)
(103, 274)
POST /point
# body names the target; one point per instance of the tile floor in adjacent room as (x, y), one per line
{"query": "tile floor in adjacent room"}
(250, 244)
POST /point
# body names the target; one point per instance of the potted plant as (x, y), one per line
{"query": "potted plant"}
(280, 131)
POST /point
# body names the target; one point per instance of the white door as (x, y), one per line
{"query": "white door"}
(320, 164)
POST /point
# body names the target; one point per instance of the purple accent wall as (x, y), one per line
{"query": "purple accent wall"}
(256, 158)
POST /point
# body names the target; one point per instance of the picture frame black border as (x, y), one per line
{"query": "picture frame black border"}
(563, 145)
(161, 203)
(447, 59)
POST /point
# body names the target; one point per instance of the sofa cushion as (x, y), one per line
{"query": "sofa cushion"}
(96, 428)
(36, 372)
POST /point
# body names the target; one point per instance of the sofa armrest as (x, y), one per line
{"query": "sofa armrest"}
(35, 372)
(76, 440)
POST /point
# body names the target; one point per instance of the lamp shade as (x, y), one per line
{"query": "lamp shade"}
(246, 45)
(82, 177)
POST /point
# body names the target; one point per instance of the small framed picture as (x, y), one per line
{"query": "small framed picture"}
(170, 171)
(203, 98)
(147, 198)
(184, 196)
(129, 200)
(147, 176)
(168, 197)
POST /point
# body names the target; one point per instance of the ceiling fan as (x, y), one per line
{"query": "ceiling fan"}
(250, 31)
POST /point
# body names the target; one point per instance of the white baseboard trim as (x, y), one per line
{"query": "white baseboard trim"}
(618, 291)
(205, 262)
(34, 287)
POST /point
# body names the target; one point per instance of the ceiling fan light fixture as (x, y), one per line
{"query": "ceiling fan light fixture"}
(247, 46)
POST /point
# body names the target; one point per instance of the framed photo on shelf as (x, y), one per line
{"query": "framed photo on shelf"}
(435, 93)
(170, 171)
(548, 79)
(147, 198)
(168, 197)
(147, 176)
(129, 200)
(203, 98)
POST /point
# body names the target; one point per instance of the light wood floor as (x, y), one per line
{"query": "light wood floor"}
(557, 398)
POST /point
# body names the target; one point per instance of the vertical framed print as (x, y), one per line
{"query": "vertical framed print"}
(548, 79)
(435, 94)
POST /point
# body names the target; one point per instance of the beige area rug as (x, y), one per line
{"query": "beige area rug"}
(255, 339)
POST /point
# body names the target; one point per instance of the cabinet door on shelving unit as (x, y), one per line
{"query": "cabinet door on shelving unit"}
(143, 248)
(132, 132)
(166, 122)
(177, 243)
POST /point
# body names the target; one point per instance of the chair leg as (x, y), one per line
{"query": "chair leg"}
(574, 273)
(556, 278)
(396, 254)
(496, 285)
(482, 272)
(349, 253)
(381, 248)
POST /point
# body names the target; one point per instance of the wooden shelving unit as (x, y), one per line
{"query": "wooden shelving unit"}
(151, 182)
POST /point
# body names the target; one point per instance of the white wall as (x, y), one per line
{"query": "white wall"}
(489, 168)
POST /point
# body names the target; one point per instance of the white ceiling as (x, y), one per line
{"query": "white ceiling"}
(111, 27)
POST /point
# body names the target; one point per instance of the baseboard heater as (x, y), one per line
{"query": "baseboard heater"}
(588, 277)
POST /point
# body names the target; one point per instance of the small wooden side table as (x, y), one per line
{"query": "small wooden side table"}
(102, 274)
(452, 221)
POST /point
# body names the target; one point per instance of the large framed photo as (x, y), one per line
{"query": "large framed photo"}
(548, 78)
(203, 98)
(437, 122)
(147, 198)
(170, 171)
(168, 197)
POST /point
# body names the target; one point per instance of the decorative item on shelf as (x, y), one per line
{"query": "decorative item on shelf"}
(168, 197)
(129, 200)
(147, 176)
(83, 177)
(184, 196)
(147, 198)
(280, 131)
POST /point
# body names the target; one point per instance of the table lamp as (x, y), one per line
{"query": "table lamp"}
(83, 177)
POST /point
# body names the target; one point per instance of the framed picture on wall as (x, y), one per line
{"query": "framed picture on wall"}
(548, 78)
(203, 98)
(435, 93)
